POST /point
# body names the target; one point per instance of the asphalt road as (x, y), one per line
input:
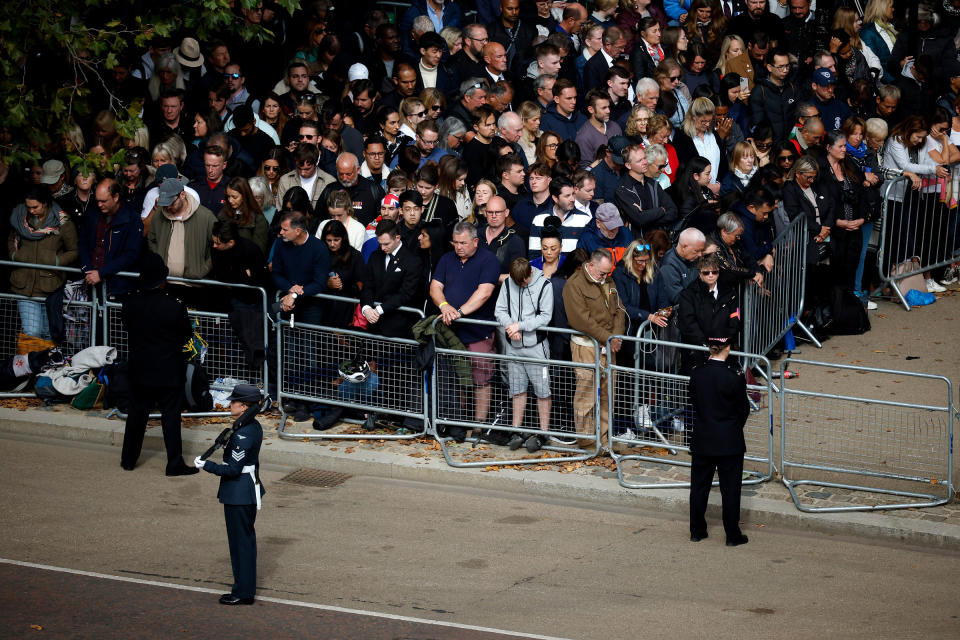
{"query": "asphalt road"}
(375, 558)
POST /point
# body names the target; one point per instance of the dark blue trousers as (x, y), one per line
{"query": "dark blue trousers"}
(730, 472)
(243, 547)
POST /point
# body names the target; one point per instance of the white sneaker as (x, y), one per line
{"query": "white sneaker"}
(677, 424)
(643, 417)
(628, 435)
(933, 287)
(871, 305)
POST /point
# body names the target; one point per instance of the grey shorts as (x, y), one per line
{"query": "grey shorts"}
(520, 375)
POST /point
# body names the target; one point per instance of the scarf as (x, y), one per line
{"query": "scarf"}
(857, 152)
(20, 220)
(744, 177)
(655, 52)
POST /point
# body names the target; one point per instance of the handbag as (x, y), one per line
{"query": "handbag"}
(914, 280)
(359, 320)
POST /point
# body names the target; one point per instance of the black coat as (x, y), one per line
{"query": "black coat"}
(686, 151)
(796, 204)
(157, 327)
(340, 314)
(366, 196)
(719, 398)
(701, 317)
(401, 286)
(595, 72)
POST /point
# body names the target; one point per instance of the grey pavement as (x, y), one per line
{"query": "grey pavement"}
(766, 504)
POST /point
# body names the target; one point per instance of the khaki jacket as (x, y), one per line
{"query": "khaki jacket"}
(594, 309)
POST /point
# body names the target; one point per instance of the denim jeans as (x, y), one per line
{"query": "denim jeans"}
(867, 230)
(33, 319)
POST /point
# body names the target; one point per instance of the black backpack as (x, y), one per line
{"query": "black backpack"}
(849, 316)
(196, 391)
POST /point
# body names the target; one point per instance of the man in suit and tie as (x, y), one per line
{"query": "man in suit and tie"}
(595, 70)
(393, 279)
(718, 394)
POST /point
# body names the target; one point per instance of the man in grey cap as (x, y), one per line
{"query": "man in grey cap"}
(606, 232)
(181, 233)
(240, 491)
(55, 177)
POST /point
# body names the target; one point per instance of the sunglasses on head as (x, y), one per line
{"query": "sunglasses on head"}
(641, 248)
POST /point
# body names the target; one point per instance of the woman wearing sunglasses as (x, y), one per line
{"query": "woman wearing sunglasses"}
(273, 166)
(707, 308)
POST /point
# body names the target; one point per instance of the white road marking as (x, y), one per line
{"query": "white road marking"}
(293, 603)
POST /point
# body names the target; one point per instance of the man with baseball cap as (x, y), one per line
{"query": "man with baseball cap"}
(833, 111)
(608, 171)
(181, 233)
(606, 231)
(54, 175)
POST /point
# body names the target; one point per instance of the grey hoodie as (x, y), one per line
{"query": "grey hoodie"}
(531, 306)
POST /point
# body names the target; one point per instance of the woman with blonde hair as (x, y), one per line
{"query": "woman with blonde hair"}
(170, 151)
(637, 125)
(696, 136)
(482, 193)
(591, 35)
(434, 103)
(529, 113)
(412, 112)
(848, 21)
(454, 39)
(743, 164)
(878, 34)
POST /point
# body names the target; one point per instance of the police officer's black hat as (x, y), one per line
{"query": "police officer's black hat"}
(245, 393)
(153, 272)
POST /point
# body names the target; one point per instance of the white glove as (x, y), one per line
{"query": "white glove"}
(198, 463)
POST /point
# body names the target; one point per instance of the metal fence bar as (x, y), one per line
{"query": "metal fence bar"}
(775, 308)
(919, 230)
(649, 406)
(224, 359)
(453, 400)
(865, 445)
(307, 361)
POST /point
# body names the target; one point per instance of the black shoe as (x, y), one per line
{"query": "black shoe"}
(458, 433)
(328, 420)
(736, 542)
(516, 441)
(533, 444)
(370, 424)
(229, 598)
(499, 438)
(181, 470)
(697, 537)
(302, 414)
(127, 467)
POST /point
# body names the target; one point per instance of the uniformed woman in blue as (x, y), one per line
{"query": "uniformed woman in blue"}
(240, 493)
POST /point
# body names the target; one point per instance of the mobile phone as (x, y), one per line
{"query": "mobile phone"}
(744, 84)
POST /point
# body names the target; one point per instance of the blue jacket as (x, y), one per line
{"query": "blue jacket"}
(676, 8)
(307, 265)
(633, 295)
(592, 239)
(566, 128)
(607, 181)
(452, 17)
(124, 241)
(243, 450)
(757, 236)
(672, 278)
(871, 38)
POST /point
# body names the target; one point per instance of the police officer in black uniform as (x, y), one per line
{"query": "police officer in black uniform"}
(158, 326)
(240, 493)
(718, 393)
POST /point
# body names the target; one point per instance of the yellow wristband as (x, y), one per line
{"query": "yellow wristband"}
(443, 303)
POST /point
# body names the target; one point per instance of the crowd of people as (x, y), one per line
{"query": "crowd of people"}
(535, 164)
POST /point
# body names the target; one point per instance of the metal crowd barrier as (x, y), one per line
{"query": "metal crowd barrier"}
(454, 401)
(649, 408)
(918, 230)
(79, 318)
(224, 359)
(773, 309)
(885, 447)
(308, 360)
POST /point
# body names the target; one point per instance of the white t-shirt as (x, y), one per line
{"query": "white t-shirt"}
(356, 233)
(707, 147)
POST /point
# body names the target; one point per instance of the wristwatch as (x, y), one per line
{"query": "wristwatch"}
(460, 311)
(294, 295)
